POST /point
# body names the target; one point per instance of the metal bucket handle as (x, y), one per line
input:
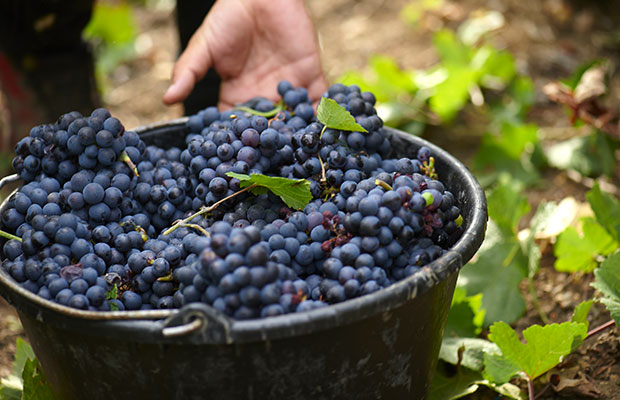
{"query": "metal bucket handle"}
(202, 321)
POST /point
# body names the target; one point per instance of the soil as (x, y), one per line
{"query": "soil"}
(549, 39)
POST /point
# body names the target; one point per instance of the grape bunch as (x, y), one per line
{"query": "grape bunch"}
(105, 222)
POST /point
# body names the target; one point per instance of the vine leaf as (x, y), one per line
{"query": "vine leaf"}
(36, 386)
(608, 282)
(545, 348)
(294, 192)
(580, 253)
(334, 116)
(607, 210)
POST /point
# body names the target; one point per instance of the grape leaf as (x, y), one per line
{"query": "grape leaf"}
(113, 24)
(545, 347)
(446, 386)
(466, 315)
(11, 387)
(607, 210)
(580, 315)
(22, 353)
(451, 95)
(294, 192)
(608, 283)
(498, 369)
(497, 272)
(579, 253)
(472, 353)
(334, 116)
(507, 205)
(36, 386)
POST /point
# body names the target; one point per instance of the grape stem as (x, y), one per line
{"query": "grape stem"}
(323, 177)
(198, 228)
(125, 158)
(7, 235)
(266, 114)
(205, 210)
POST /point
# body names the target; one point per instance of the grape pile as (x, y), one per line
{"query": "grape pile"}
(92, 222)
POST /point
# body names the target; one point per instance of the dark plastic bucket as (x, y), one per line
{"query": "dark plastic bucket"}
(379, 346)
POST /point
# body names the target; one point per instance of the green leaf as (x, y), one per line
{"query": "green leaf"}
(497, 272)
(545, 346)
(507, 206)
(498, 67)
(23, 352)
(113, 24)
(498, 369)
(511, 150)
(580, 315)
(606, 209)
(36, 386)
(448, 387)
(112, 293)
(608, 283)
(472, 355)
(451, 50)
(591, 155)
(466, 315)
(580, 253)
(333, 116)
(294, 192)
(451, 95)
(390, 78)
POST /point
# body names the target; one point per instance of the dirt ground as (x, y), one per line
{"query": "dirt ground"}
(549, 38)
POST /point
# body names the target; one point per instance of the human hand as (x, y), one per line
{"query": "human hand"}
(252, 44)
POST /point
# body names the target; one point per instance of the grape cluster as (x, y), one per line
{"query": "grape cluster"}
(94, 212)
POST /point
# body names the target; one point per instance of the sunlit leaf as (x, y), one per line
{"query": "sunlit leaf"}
(545, 348)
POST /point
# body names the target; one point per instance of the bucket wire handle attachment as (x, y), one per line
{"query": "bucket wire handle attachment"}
(199, 323)
(182, 330)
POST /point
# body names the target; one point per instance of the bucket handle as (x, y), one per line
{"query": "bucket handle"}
(200, 323)
(9, 179)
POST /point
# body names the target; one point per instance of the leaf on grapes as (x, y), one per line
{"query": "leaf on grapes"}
(334, 116)
(36, 386)
(466, 315)
(497, 272)
(580, 253)
(607, 210)
(472, 353)
(295, 193)
(545, 348)
(112, 293)
(608, 283)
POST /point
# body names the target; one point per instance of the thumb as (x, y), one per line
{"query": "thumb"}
(191, 67)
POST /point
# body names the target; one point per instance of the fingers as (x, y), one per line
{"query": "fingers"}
(190, 67)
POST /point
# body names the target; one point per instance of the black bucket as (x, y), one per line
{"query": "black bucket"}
(379, 346)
